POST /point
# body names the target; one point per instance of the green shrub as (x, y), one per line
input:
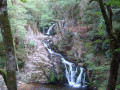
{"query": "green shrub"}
(31, 44)
(60, 77)
(66, 41)
(51, 76)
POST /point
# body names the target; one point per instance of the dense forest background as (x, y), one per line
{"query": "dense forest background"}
(80, 33)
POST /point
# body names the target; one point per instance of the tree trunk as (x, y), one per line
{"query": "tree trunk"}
(114, 66)
(113, 72)
(114, 45)
(9, 46)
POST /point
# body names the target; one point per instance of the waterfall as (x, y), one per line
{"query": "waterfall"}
(70, 70)
(50, 29)
(74, 74)
(79, 79)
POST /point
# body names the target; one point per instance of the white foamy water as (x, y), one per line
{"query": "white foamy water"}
(50, 29)
(71, 71)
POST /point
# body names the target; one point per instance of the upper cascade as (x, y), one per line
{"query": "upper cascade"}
(50, 29)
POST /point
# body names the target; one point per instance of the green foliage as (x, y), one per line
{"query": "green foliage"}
(114, 2)
(117, 50)
(118, 87)
(46, 16)
(66, 8)
(31, 44)
(88, 56)
(98, 44)
(55, 78)
(24, 1)
(66, 41)
(88, 44)
(40, 12)
(98, 67)
(91, 15)
(21, 54)
(2, 62)
(60, 77)
(17, 22)
(98, 38)
(51, 76)
(101, 28)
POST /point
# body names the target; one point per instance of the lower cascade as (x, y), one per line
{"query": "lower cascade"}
(75, 75)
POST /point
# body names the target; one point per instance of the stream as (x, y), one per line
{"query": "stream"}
(75, 74)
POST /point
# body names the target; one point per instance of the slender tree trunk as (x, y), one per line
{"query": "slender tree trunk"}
(9, 46)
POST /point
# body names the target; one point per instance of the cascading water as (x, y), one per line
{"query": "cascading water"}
(75, 75)
(50, 29)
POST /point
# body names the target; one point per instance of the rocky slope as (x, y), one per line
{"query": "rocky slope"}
(40, 63)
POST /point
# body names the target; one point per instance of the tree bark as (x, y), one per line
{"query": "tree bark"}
(114, 66)
(9, 46)
(114, 45)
